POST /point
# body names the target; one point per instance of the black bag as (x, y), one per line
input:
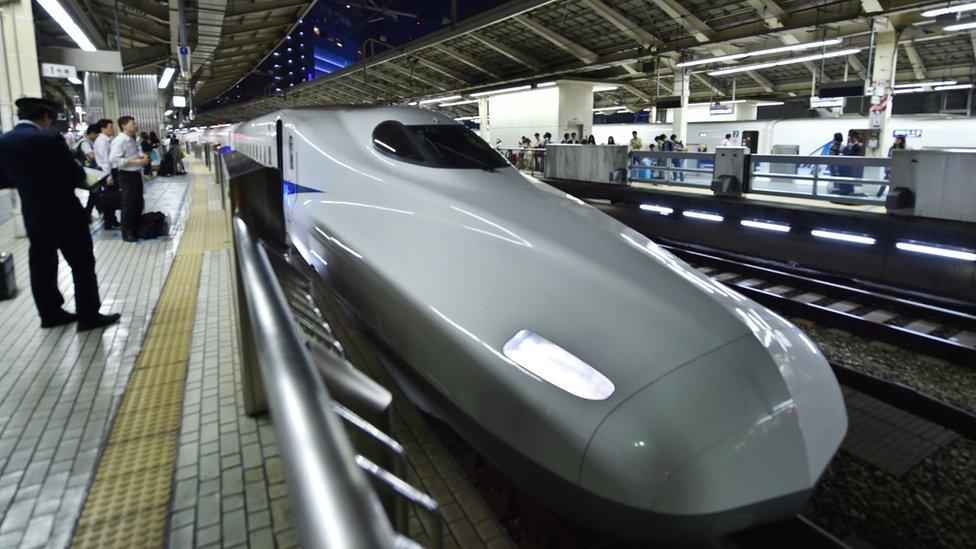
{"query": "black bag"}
(106, 198)
(152, 225)
(165, 166)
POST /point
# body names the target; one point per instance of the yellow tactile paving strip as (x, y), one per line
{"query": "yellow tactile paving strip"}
(129, 498)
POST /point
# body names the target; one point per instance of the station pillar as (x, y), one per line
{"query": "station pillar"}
(20, 75)
(682, 88)
(884, 64)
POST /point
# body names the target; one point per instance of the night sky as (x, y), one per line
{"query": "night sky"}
(331, 36)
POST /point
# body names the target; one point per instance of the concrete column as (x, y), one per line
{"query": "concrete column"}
(575, 109)
(883, 72)
(20, 74)
(682, 87)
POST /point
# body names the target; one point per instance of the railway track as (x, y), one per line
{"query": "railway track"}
(903, 321)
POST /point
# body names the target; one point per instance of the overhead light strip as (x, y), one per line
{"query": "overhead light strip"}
(503, 90)
(791, 61)
(952, 9)
(68, 25)
(455, 103)
(961, 27)
(769, 51)
(933, 250)
(164, 80)
(845, 237)
(439, 99)
(921, 84)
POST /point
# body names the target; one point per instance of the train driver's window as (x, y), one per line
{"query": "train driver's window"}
(391, 138)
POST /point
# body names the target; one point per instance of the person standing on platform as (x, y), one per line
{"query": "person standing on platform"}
(727, 142)
(38, 163)
(103, 149)
(129, 161)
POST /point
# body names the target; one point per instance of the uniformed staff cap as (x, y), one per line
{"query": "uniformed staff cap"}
(26, 103)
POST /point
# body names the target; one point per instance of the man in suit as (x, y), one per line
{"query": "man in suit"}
(38, 163)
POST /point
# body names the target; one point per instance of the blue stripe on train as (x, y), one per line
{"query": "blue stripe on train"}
(290, 187)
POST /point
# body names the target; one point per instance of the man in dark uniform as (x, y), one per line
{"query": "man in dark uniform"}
(38, 163)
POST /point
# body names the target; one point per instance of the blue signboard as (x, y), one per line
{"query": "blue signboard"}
(907, 133)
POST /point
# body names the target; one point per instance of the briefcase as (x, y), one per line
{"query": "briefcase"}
(8, 282)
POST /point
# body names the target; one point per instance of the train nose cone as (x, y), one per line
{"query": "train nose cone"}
(714, 443)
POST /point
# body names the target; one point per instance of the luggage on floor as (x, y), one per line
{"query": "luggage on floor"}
(106, 198)
(8, 282)
(166, 166)
(152, 225)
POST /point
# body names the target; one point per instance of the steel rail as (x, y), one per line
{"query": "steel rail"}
(334, 504)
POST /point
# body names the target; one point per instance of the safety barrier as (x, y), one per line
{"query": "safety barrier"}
(345, 473)
(851, 179)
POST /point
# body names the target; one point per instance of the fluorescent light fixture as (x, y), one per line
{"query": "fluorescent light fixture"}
(68, 25)
(455, 103)
(663, 210)
(604, 87)
(412, 103)
(503, 90)
(952, 9)
(921, 84)
(954, 87)
(933, 250)
(908, 90)
(769, 103)
(167, 112)
(440, 99)
(770, 51)
(622, 111)
(703, 215)
(75, 80)
(790, 61)
(613, 108)
(963, 26)
(463, 118)
(179, 101)
(167, 75)
(854, 238)
(549, 361)
(765, 225)
(545, 85)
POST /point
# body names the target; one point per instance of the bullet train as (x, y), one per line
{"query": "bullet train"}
(628, 391)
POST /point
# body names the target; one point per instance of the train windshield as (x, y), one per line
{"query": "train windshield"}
(436, 145)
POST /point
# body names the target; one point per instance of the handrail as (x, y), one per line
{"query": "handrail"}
(333, 502)
(823, 160)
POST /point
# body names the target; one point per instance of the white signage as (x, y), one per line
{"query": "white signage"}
(721, 108)
(826, 103)
(58, 71)
(179, 101)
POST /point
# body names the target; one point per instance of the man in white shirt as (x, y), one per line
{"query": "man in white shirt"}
(103, 145)
(108, 198)
(129, 161)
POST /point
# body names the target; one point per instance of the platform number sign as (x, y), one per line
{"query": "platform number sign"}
(908, 134)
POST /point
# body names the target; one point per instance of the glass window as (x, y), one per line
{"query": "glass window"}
(436, 145)
(391, 138)
(454, 146)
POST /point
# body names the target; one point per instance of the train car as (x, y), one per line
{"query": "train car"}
(633, 394)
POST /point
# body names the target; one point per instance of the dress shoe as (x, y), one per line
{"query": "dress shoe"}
(98, 321)
(129, 238)
(111, 226)
(59, 318)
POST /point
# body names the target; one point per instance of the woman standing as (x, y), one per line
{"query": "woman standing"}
(146, 149)
(898, 144)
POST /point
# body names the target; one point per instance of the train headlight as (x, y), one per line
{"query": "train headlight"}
(558, 366)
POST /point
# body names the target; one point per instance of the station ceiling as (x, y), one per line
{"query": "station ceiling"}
(633, 44)
(228, 38)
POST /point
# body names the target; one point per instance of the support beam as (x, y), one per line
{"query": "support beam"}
(769, 10)
(508, 52)
(915, 60)
(437, 67)
(413, 75)
(87, 23)
(871, 6)
(689, 21)
(469, 61)
(635, 92)
(859, 68)
(273, 23)
(241, 8)
(558, 40)
(137, 58)
(761, 80)
(622, 22)
(709, 84)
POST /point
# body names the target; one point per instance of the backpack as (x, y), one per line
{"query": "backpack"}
(82, 158)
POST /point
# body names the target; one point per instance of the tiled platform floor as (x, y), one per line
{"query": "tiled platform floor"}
(59, 389)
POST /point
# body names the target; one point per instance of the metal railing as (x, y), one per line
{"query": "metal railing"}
(345, 473)
(851, 179)
(531, 160)
(683, 169)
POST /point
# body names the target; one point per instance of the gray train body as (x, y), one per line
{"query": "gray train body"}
(624, 388)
